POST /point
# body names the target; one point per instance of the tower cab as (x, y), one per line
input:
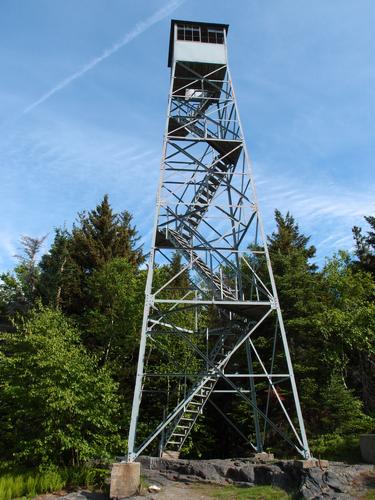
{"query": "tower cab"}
(197, 43)
(197, 58)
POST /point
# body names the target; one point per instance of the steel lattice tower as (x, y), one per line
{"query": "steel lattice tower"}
(218, 305)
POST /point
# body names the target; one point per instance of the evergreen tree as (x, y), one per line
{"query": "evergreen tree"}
(301, 295)
(287, 240)
(61, 279)
(99, 236)
(365, 245)
(102, 235)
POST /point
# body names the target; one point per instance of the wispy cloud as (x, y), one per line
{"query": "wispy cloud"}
(7, 246)
(314, 202)
(325, 210)
(65, 169)
(138, 29)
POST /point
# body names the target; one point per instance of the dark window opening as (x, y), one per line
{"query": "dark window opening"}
(203, 34)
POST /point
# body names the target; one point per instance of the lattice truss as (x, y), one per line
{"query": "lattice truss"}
(212, 324)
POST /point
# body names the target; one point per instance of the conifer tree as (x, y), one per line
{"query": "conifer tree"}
(301, 294)
(102, 235)
(365, 245)
(299, 285)
(98, 237)
(61, 277)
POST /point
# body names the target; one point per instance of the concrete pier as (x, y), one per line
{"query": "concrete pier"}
(125, 479)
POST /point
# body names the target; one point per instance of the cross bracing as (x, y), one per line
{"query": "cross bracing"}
(215, 321)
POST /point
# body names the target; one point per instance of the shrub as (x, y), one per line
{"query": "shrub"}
(57, 407)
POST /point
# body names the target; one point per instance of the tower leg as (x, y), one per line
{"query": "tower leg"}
(138, 388)
(306, 449)
(259, 443)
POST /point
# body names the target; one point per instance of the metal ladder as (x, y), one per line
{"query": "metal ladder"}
(184, 422)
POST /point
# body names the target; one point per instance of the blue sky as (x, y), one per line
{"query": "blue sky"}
(80, 117)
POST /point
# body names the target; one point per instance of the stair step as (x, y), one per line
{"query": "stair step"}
(202, 200)
(175, 436)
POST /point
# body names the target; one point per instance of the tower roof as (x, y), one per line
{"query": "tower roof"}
(189, 23)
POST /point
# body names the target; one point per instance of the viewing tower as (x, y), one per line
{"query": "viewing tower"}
(212, 325)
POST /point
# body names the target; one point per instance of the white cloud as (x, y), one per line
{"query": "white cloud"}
(325, 210)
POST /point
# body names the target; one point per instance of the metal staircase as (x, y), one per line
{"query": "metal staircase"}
(227, 145)
(185, 420)
(189, 415)
(206, 192)
(218, 287)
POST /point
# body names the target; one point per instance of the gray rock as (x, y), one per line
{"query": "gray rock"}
(247, 474)
(312, 483)
(84, 495)
(335, 482)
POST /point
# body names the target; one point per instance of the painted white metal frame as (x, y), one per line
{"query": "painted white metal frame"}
(207, 211)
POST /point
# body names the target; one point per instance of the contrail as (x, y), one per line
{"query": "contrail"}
(138, 29)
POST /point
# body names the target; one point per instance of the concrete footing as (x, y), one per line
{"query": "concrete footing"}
(125, 479)
(170, 455)
(264, 457)
(311, 463)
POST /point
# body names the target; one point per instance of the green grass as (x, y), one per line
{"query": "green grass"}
(27, 484)
(369, 495)
(241, 493)
(144, 484)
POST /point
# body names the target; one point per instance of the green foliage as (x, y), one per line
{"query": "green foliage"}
(99, 236)
(337, 447)
(102, 235)
(288, 241)
(57, 405)
(18, 289)
(365, 245)
(53, 479)
(67, 369)
(341, 412)
(346, 326)
(29, 484)
(350, 315)
(61, 278)
(112, 322)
